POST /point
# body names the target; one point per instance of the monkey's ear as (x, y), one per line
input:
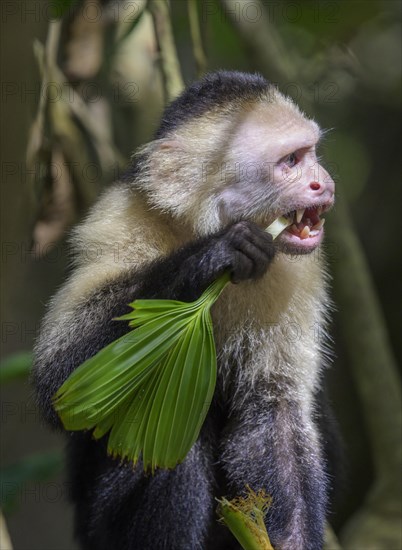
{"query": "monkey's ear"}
(163, 158)
(168, 144)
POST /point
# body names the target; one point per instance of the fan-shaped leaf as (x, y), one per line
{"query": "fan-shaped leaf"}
(151, 389)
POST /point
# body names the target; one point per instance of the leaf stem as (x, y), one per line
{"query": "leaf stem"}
(213, 292)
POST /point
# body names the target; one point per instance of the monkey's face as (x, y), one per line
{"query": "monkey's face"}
(254, 163)
(273, 170)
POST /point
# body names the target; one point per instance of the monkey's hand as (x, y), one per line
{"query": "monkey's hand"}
(242, 248)
(246, 249)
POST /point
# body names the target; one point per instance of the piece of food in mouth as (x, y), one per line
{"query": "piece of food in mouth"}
(306, 222)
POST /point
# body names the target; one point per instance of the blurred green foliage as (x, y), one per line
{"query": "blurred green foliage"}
(326, 21)
(15, 366)
(16, 477)
(60, 7)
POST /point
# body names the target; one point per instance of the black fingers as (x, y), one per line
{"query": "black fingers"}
(250, 250)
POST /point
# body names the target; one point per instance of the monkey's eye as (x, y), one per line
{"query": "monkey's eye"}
(289, 160)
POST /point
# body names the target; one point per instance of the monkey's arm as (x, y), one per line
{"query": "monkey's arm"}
(243, 248)
(274, 445)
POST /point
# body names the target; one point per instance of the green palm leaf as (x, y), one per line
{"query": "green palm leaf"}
(151, 388)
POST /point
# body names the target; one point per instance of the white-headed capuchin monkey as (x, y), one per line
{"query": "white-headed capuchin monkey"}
(230, 156)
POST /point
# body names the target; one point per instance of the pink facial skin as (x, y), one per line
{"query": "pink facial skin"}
(278, 174)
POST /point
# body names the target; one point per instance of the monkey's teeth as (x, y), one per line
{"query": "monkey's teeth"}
(299, 215)
(305, 232)
(303, 227)
(319, 210)
(319, 225)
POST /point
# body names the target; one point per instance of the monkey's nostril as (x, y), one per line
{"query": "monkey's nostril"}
(315, 186)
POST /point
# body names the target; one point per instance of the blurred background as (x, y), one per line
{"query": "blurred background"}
(83, 84)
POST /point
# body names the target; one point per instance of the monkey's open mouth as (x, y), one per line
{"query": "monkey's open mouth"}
(305, 233)
(306, 222)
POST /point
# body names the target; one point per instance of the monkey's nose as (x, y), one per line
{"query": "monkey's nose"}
(324, 190)
(315, 186)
